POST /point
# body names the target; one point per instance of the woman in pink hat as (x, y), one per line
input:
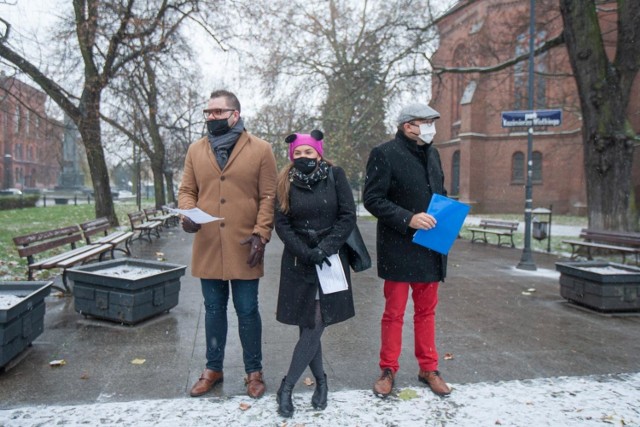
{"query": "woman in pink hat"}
(315, 213)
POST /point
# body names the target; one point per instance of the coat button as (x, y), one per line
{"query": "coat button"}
(222, 225)
(222, 178)
(223, 201)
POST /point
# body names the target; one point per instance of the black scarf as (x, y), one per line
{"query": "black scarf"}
(223, 144)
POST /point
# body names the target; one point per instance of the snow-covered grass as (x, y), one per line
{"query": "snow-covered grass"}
(610, 400)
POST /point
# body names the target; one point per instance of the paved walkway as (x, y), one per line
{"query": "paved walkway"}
(517, 354)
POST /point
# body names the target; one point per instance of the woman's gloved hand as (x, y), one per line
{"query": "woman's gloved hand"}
(256, 254)
(318, 256)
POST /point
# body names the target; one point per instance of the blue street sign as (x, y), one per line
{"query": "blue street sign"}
(529, 118)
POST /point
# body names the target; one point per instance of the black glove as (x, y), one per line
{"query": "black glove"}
(318, 256)
(189, 226)
(256, 255)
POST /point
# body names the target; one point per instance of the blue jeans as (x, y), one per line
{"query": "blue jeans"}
(245, 301)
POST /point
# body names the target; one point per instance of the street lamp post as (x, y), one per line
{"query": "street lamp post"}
(8, 171)
(526, 262)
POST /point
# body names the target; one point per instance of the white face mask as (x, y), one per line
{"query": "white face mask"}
(427, 132)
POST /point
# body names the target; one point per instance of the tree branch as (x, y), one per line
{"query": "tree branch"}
(56, 92)
(546, 46)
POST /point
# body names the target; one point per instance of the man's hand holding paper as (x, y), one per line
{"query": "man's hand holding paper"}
(196, 215)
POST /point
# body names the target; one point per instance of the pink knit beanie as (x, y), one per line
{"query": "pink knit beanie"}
(314, 139)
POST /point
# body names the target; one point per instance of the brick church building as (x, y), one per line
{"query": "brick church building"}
(30, 142)
(485, 163)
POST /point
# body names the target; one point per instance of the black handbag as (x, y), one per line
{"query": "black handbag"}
(359, 258)
(357, 252)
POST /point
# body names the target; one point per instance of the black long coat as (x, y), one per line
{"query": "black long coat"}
(323, 206)
(401, 178)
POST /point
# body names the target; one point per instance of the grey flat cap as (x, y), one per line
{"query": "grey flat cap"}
(417, 111)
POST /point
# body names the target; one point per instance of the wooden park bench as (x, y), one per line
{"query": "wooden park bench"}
(623, 243)
(53, 242)
(99, 228)
(142, 227)
(493, 226)
(153, 214)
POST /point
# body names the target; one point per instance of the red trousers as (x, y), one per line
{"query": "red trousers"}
(425, 299)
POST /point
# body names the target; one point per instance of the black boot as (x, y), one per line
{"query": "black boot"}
(283, 397)
(319, 398)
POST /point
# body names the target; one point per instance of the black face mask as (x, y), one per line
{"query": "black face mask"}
(218, 127)
(305, 164)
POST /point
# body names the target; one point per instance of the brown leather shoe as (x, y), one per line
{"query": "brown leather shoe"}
(206, 382)
(435, 382)
(384, 384)
(255, 384)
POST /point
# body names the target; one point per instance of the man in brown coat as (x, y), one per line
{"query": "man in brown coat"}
(230, 174)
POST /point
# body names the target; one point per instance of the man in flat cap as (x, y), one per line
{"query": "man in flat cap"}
(402, 175)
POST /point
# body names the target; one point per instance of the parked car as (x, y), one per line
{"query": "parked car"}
(11, 192)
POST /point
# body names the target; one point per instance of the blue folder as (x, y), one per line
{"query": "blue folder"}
(450, 215)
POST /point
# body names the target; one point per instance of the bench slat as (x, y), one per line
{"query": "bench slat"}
(84, 256)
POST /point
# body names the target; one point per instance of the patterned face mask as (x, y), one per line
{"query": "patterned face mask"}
(305, 165)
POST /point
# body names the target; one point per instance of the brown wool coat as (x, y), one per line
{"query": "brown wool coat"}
(243, 194)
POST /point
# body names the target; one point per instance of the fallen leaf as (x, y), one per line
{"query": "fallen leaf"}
(531, 290)
(448, 356)
(59, 362)
(244, 406)
(526, 293)
(138, 361)
(160, 254)
(84, 376)
(408, 394)
(308, 381)
(498, 423)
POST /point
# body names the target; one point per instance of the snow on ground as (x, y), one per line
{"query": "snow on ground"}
(610, 400)
(540, 272)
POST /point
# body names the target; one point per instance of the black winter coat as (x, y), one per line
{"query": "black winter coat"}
(401, 177)
(323, 206)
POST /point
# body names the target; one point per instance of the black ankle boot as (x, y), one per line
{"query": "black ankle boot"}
(283, 397)
(319, 398)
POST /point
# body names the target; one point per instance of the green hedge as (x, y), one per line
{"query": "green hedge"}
(16, 202)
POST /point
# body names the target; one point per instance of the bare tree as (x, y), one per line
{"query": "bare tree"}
(603, 88)
(351, 59)
(147, 101)
(109, 34)
(275, 121)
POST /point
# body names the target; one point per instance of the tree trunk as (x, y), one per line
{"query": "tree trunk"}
(608, 139)
(157, 168)
(90, 131)
(171, 196)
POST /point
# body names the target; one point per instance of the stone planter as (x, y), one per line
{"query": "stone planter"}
(604, 286)
(126, 290)
(22, 309)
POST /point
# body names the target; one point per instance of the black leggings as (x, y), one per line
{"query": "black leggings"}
(308, 351)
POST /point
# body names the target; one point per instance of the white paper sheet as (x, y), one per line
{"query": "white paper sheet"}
(196, 215)
(332, 278)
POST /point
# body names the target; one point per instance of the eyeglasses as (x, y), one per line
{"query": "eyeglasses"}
(216, 112)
